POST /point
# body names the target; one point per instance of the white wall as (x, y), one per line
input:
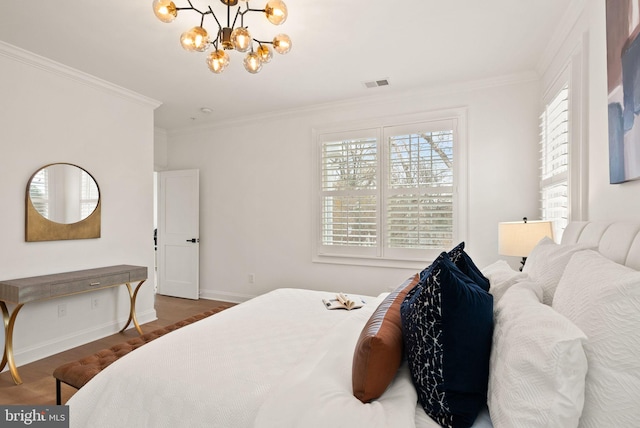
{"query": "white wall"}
(48, 114)
(160, 149)
(255, 184)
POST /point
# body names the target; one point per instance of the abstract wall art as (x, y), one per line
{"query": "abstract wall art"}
(623, 83)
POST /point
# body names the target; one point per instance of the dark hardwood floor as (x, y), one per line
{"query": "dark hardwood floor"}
(39, 386)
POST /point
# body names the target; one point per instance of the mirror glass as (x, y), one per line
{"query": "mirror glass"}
(64, 193)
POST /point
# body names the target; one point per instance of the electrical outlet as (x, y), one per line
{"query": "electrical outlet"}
(252, 278)
(62, 310)
(95, 302)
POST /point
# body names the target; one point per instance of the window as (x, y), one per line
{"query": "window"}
(563, 142)
(389, 192)
(419, 194)
(554, 180)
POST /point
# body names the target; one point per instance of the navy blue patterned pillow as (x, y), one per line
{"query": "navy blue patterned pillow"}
(447, 325)
(456, 252)
(462, 260)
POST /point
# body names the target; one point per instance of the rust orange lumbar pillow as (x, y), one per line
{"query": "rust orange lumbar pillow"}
(378, 353)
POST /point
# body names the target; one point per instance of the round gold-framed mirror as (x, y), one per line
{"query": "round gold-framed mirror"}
(62, 202)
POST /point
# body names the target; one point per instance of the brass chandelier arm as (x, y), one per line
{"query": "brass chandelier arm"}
(235, 18)
(216, 18)
(212, 13)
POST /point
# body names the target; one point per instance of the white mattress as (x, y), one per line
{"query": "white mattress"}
(280, 360)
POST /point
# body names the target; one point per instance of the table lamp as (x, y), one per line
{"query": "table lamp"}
(517, 238)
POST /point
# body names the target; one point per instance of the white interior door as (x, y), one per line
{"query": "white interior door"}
(178, 233)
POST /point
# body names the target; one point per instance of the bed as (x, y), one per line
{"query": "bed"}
(563, 352)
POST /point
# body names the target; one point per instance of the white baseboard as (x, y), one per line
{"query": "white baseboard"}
(63, 343)
(225, 296)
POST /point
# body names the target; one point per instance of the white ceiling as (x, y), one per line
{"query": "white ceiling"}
(337, 45)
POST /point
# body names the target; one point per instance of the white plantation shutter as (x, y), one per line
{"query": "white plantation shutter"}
(387, 192)
(419, 196)
(554, 175)
(349, 206)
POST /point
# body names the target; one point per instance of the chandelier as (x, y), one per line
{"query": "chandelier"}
(229, 37)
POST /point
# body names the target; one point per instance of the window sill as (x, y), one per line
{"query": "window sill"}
(418, 265)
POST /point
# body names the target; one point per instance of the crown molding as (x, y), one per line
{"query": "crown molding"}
(569, 21)
(426, 92)
(36, 61)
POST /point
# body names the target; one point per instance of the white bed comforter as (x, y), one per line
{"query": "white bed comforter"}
(279, 360)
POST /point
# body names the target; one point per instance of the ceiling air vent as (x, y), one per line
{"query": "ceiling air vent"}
(376, 83)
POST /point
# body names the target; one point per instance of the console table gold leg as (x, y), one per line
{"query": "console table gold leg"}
(5, 319)
(7, 356)
(132, 309)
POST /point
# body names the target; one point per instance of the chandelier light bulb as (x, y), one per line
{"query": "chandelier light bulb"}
(195, 39)
(218, 61)
(165, 10)
(252, 63)
(264, 53)
(276, 12)
(241, 39)
(282, 43)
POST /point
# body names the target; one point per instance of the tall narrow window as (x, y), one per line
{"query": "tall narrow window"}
(554, 179)
(388, 192)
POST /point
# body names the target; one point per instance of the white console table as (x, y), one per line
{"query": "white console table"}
(37, 288)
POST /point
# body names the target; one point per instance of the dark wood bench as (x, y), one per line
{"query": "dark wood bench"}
(78, 373)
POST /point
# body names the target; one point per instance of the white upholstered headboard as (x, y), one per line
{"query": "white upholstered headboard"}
(618, 241)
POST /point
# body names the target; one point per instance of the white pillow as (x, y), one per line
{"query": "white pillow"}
(538, 365)
(603, 299)
(501, 276)
(547, 262)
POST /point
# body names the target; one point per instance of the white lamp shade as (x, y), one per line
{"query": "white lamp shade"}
(518, 238)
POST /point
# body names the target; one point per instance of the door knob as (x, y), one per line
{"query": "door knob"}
(194, 240)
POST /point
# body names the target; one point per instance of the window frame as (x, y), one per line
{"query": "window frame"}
(550, 181)
(574, 74)
(379, 257)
